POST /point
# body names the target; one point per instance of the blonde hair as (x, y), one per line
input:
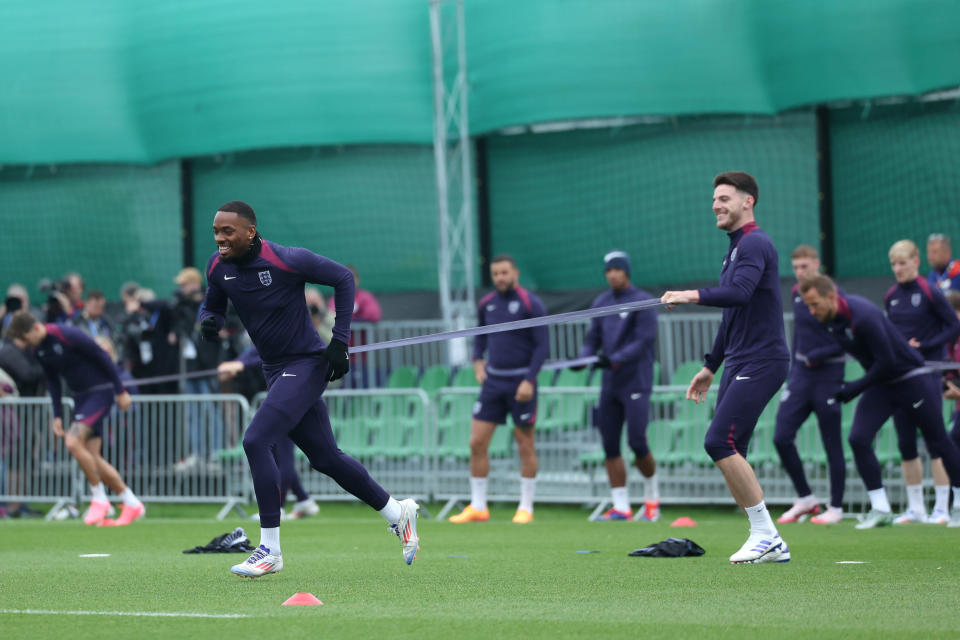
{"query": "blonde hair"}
(904, 249)
(805, 251)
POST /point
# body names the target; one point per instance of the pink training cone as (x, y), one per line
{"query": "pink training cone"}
(683, 522)
(301, 599)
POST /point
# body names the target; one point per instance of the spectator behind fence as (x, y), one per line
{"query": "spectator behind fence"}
(91, 320)
(365, 309)
(18, 362)
(150, 343)
(944, 270)
(203, 421)
(74, 292)
(10, 459)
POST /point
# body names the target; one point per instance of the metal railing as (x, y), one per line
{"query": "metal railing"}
(188, 449)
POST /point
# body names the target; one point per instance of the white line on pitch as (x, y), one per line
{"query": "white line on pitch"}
(145, 614)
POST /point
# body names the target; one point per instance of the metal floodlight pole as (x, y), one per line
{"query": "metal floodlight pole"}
(452, 160)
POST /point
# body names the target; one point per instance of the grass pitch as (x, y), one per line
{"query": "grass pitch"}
(488, 580)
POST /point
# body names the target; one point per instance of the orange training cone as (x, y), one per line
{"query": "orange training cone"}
(683, 522)
(301, 598)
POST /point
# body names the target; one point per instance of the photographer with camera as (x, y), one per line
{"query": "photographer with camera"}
(17, 298)
(65, 297)
(149, 340)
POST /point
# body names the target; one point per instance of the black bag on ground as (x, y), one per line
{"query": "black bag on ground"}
(670, 548)
(233, 542)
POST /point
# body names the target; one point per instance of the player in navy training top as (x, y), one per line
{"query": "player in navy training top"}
(265, 282)
(923, 315)
(751, 341)
(289, 478)
(816, 373)
(624, 343)
(509, 385)
(67, 352)
(944, 269)
(895, 380)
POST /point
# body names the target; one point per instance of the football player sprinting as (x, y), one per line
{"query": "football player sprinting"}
(265, 282)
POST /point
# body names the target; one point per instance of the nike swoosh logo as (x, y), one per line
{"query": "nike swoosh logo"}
(831, 401)
(916, 405)
(229, 277)
(288, 375)
(743, 377)
(525, 416)
(635, 396)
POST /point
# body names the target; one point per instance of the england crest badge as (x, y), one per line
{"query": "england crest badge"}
(265, 278)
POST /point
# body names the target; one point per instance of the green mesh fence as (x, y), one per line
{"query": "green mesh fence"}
(370, 206)
(110, 223)
(559, 201)
(896, 175)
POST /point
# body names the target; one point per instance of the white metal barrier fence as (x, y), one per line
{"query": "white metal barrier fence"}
(169, 448)
(188, 449)
(34, 465)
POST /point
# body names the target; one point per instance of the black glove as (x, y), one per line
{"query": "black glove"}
(603, 362)
(845, 394)
(208, 329)
(338, 359)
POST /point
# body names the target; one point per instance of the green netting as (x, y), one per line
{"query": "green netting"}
(896, 175)
(139, 81)
(559, 201)
(371, 206)
(541, 60)
(110, 223)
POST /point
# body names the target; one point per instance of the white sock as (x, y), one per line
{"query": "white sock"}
(878, 500)
(528, 486)
(651, 489)
(478, 493)
(808, 499)
(391, 512)
(942, 500)
(270, 538)
(98, 493)
(956, 497)
(760, 520)
(915, 499)
(837, 510)
(621, 499)
(129, 498)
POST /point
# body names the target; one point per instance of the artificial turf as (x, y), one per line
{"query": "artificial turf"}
(485, 580)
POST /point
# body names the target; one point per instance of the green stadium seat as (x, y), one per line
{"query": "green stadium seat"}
(434, 378)
(464, 377)
(402, 378)
(683, 374)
